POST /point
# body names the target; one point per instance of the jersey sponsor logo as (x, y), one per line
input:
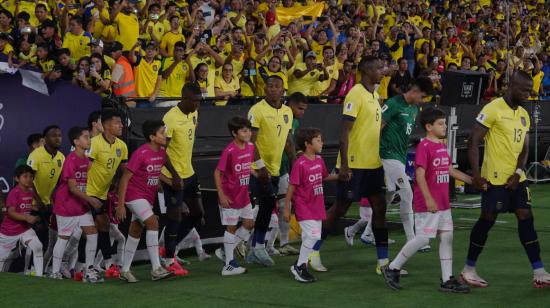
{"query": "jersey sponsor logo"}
(523, 121)
(118, 152)
(481, 117)
(349, 106)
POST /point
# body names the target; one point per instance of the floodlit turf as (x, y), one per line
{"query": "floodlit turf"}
(350, 282)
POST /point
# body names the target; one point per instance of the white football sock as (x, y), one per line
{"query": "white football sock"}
(406, 211)
(284, 227)
(152, 241)
(229, 243)
(271, 237)
(446, 254)
(28, 257)
(242, 234)
(197, 242)
(119, 238)
(306, 249)
(91, 249)
(129, 251)
(37, 257)
(72, 245)
(410, 248)
(52, 238)
(58, 251)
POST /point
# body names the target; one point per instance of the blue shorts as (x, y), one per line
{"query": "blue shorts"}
(264, 190)
(364, 183)
(498, 199)
(174, 198)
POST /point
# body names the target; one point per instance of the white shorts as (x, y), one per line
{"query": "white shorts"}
(67, 224)
(283, 184)
(9, 242)
(274, 221)
(365, 213)
(427, 224)
(394, 172)
(141, 209)
(230, 217)
(311, 229)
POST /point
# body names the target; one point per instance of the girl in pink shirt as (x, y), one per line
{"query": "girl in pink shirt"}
(305, 192)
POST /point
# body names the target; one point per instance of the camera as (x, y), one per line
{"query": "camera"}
(26, 30)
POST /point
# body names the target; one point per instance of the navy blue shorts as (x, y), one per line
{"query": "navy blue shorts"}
(264, 190)
(174, 198)
(101, 210)
(364, 183)
(498, 199)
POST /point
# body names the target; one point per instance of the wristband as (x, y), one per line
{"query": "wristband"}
(519, 171)
(260, 163)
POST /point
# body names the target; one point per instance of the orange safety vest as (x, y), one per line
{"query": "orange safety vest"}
(125, 87)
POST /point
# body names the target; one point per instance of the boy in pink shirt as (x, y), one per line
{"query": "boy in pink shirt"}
(16, 226)
(72, 206)
(431, 203)
(138, 188)
(232, 177)
(305, 192)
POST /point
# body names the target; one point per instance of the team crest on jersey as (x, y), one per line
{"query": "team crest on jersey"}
(312, 73)
(155, 68)
(59, 163)
(118, 152)
(285, 118)
(481, 117)
(349, 106)
(523, 121)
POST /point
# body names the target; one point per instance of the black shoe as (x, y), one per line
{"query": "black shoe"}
(391, 277)
(454, 286)
(301, 274)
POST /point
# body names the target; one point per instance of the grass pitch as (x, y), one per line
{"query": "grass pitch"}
(350, 282)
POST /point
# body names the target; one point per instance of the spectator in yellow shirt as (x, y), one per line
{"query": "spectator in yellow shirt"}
(127, 24)
(171, 37)
(77, 40)
(226, 85)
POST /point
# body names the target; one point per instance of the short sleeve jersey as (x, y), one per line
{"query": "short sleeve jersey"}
(307, 177)
(400, 118)
(362, 107)
(504, 141)
(180, 128)
(22, 202)
(48, 170)
(106, 158)
(274, 125)
(66, 204)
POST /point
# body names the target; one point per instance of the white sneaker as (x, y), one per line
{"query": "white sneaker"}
(272, 251)
(232, 269)
(315, 262)
(203, 256)
(129, 277)
(426, 248)
(157, 274)
(220, 254)
(241, 249)
(369, 240)
(65, 270)
(471, 278)
(347, 237)
(92, 276)
(541, 280)
(56, 276)
(402, 272)
(287, 250)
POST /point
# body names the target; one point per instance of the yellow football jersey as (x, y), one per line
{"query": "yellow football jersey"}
(48, 170)
(127, 30)
(171, 86)
(77, 44)
(106, 158)
(146, 75)
(504, 140)
(180, 128)
(274, 126)
(221, 84)
(169, 40)
(364, 138)
(305, 84)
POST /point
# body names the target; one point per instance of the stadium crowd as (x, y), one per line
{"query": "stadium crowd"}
(151, 48)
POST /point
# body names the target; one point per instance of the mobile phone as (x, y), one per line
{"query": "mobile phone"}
(252, 72)
(436, 59)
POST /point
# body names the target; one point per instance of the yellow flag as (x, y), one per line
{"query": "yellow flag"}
(286, 15)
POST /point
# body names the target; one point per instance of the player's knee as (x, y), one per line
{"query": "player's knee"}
(174, 214)
(248, 224)
(406, 196)
(35, 245)
(151, 223)
(488, 216)
(524, 214)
